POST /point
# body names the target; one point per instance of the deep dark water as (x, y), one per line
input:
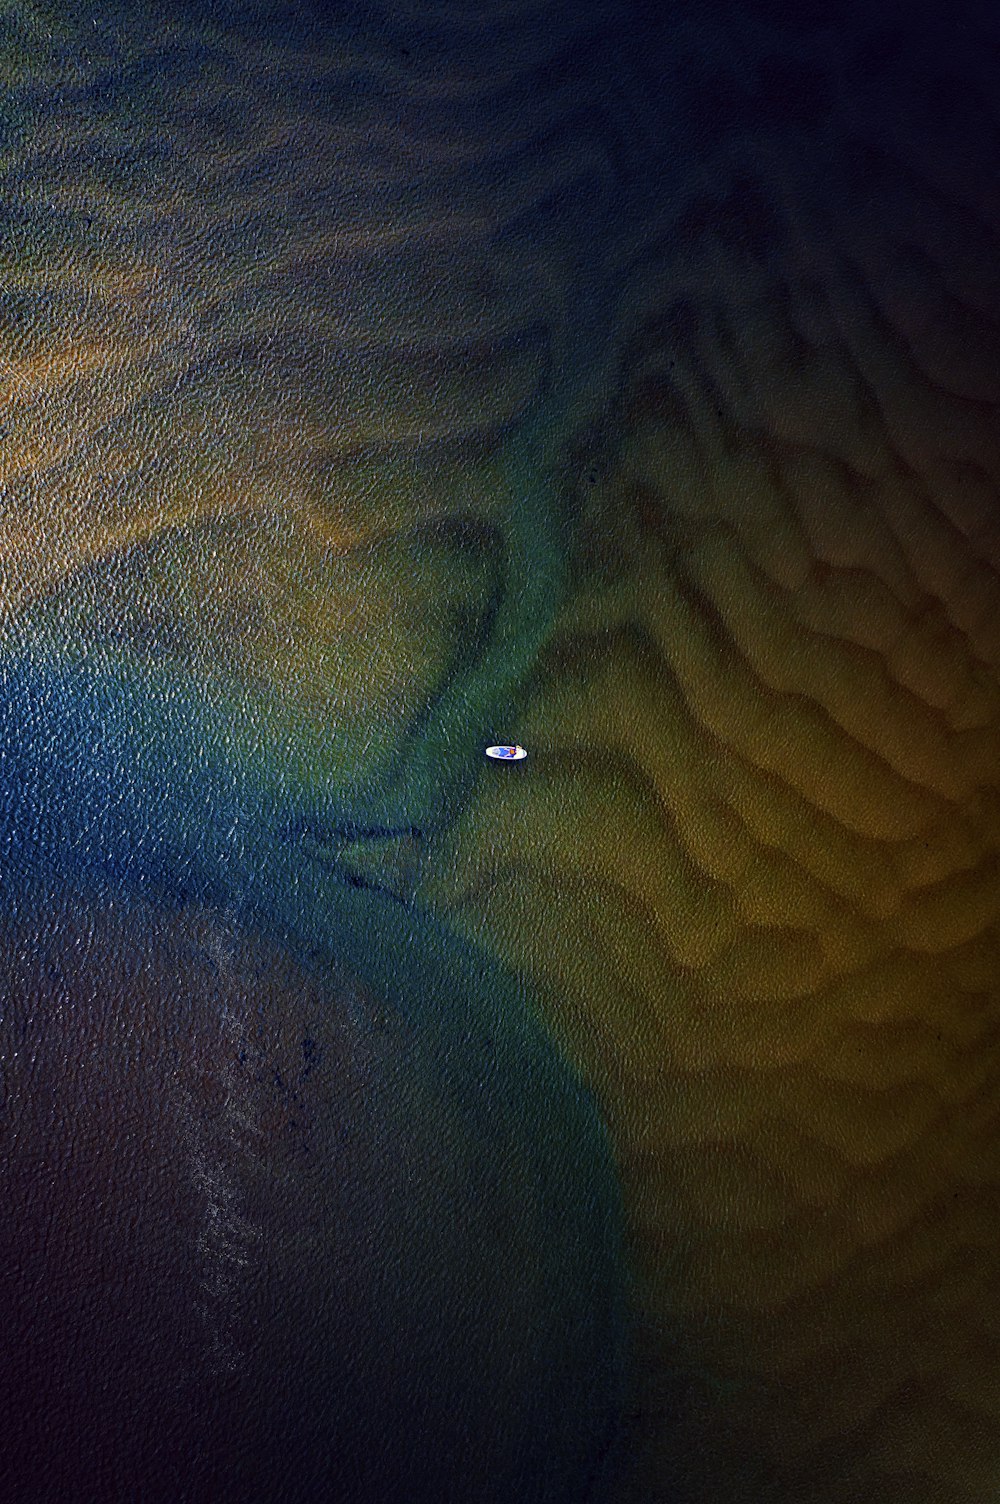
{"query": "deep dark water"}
(290, 1214)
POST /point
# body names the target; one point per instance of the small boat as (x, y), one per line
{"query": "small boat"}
(506, 753)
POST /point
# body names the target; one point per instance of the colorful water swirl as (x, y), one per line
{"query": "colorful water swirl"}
(378, 1123)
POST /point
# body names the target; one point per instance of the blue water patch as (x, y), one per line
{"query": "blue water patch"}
(129, 785)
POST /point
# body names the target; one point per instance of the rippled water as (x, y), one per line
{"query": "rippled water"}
(302, 1203)
(379, 1122)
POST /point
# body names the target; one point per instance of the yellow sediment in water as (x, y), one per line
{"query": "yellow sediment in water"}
(751, 862)
(755, 867)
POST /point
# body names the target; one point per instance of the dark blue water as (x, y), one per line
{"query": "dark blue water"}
(301, 1202)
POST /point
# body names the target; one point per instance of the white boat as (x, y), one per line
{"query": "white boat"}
(506, 753)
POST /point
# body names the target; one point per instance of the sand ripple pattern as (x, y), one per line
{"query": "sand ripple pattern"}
(292, 307)
(241, 267)
(756, 864)
(285, 302)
